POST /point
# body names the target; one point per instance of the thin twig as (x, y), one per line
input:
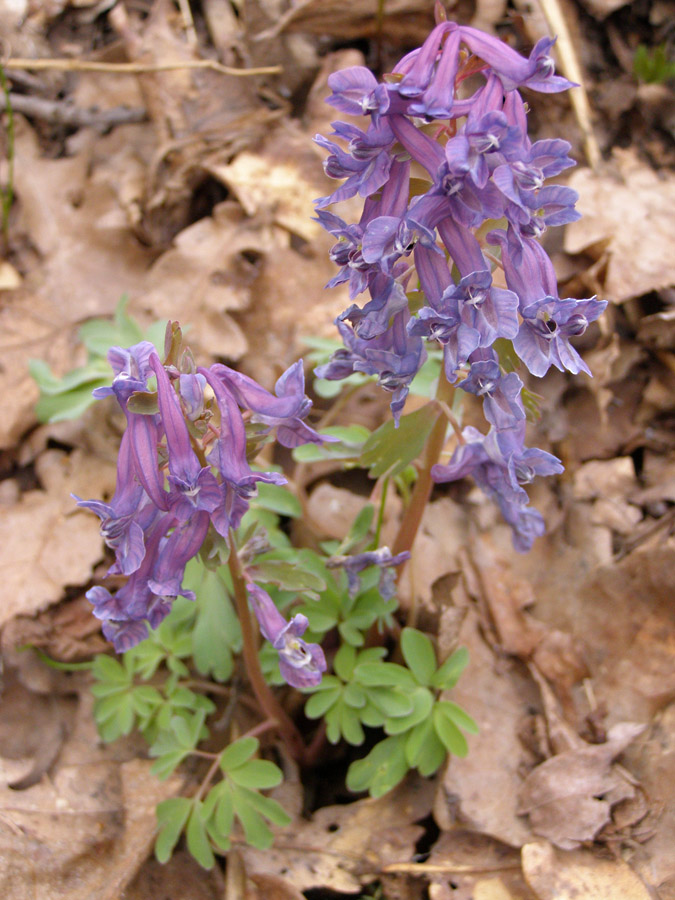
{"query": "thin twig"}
(8, 191)
(64, 112)
(571, 67)
(133, 68)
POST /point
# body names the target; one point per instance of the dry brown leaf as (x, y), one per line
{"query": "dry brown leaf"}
(481, 790)
(477, 866)
(579, 875)
(653, 762)
(629, 199)
(344, 847)
(45, 543)
(567, 797)
(435, 552)
(53, 834)
(181, 877)
(600, 9)
(208, 273)
(409, 20)
(280, 180)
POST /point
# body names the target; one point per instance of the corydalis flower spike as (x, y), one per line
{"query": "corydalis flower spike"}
(301, 664)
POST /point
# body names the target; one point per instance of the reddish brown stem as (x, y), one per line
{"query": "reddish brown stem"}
(413, 515)
(268, 702)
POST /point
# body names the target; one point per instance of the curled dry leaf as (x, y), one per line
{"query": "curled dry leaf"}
(568, 798)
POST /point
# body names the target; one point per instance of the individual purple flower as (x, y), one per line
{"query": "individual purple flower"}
(356, 92)
(442, 320)
(438, 99)
(394, 356)
(548, 322)
(173, 554)
(301, 664)
(501, 393)
(132, 370)
(192, 486)
(283, 410)
(514, 71)
(363, 176)
(500, 464)
(191, 390)
(356, 563)
(417, 68)
(120, 528)
(388, 299)
(229, 457)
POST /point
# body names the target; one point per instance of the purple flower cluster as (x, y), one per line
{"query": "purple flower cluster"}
(182, 469)
(473, 165)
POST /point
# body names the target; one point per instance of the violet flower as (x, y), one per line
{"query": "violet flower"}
(356, 563)
(301, 664)
(192, 486)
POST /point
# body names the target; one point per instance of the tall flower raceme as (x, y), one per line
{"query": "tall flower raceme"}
(183, 470)
(483, 192)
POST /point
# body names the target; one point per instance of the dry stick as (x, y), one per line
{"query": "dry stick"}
(422, 491)
(133, 68)
(65, 113)
(268, 702)
(569, 63)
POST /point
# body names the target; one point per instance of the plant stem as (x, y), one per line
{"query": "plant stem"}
(422, 490)
(268, 702)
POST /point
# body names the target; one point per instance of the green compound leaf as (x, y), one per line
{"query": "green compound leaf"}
(217, 633)
(256, 831)
(320, 702)
(359, 530)
(350, 725)
(448, 674)
(349, 444)
(277, 499)
(286, 575)
(238, 753)
(418, 652)
(423, 702)
(389, 449)
(380, 771)
(259, 774)
(424, 749)
(384, 674)
(344, 662)
(452, 738)
(351, 633)
(391, 702)
(108, 669)
(197, 838)
(457, 715)
(269, 808)
(114, 715)
(171, 817)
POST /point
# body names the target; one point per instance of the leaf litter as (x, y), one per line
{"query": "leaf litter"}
(201, 212)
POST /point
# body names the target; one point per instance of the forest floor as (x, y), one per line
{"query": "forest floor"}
(190, 190)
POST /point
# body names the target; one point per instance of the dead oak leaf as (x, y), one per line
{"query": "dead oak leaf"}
(346, 846)
(569, 797)
(579, 874)
(627, 200)
(45, 543)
